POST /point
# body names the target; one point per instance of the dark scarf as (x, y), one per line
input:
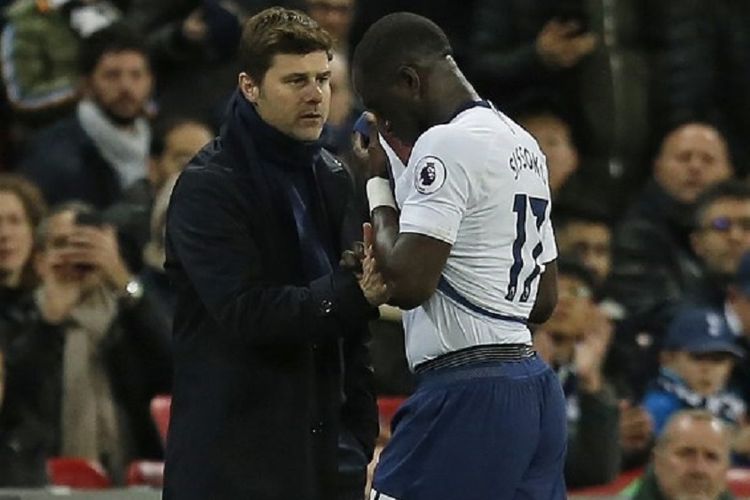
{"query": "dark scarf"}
(288, 164)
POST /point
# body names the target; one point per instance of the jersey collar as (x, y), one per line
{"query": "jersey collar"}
(470, 104)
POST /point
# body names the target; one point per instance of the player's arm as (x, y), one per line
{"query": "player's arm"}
(546, 295)
(411, 258)
(410, 263)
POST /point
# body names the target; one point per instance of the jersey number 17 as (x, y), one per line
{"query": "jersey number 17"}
(521, 203)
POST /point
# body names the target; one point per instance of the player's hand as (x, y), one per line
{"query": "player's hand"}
(371, 281)
(370, 155)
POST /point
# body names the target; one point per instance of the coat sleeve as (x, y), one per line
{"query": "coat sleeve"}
(594, 445)
(496, 55)
(208, 239)
(360, 413)
(26, 66)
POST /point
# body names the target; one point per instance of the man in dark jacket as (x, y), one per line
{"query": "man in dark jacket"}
(102, 149)
(272, 387)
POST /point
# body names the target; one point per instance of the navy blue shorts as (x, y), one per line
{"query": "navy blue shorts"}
(493, 431)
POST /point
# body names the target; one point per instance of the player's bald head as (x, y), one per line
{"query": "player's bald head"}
(393, 41)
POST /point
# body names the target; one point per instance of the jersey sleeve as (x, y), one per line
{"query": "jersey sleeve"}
(439, 192)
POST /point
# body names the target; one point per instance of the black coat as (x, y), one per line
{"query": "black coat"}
(66, 165)
(269, 368)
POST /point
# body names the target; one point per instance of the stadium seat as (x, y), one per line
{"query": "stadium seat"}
(160, 408)
(146, 473)
(387, 407)
(738, 482)
(77, 473)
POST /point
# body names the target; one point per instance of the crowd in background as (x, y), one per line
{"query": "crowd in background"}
(641, 109)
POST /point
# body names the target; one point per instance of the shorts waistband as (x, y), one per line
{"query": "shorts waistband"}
(476, 355)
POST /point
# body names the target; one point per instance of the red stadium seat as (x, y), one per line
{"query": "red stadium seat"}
(738, 482)
(144, 472)
(77, 473)
(160, 408)
(387, 407)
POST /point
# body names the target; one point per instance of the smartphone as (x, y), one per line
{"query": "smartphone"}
(88, 219)
(361, 127)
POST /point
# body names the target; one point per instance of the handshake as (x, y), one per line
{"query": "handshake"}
(362, 262)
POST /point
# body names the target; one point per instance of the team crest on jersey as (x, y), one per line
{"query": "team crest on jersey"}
(430, 175)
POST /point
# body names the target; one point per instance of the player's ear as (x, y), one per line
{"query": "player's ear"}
(248, 87)
(409, 79)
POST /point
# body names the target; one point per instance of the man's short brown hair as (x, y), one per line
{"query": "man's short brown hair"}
(279, 31)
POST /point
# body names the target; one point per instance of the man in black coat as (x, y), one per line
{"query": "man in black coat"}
(273, 389)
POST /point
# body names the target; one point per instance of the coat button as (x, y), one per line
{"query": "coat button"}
(326, 306)
(317, 428)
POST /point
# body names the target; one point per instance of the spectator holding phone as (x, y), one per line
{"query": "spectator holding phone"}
(99, 348)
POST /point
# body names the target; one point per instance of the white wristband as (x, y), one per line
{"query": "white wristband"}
(379, 193)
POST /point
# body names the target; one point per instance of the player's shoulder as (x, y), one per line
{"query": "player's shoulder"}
(453, 140)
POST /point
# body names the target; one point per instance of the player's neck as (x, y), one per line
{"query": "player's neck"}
(456, 92)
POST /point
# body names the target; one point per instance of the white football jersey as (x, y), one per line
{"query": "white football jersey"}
(479, 183)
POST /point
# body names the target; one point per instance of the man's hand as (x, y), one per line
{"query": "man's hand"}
(544, 345)
(560, 46)
(371, 281)
(371, 158)
(351, 260)
(58, 296)
(590, 353)
(98, 247)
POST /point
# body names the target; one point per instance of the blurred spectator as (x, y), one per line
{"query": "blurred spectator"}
(335, 16)
(172, 147)
(21, 209)
(101, 348)
(699, 353)
(173, 144)
(103, 148)
(653, 263)
(593, 56)
(153, 275)
(2, 375)
(574, 342)
(737, 310)
(194, 46)
(455, 18)
(587, 238)
(23, 437)
(690, 460)
(703, 69)
(337, 133)
(720, 238)
(553, 133)
(40, 50)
